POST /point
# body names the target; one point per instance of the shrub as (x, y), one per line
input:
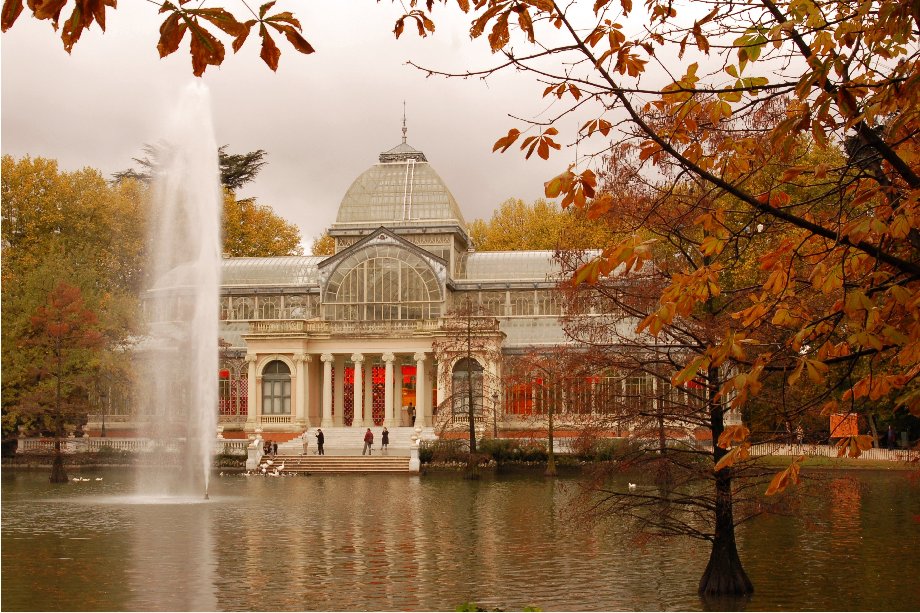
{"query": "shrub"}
(444, 450)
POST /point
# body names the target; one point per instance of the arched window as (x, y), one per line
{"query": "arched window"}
(382, 283)
(466, 376)
(276, 389)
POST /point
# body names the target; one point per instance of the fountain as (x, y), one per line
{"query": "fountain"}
(179, 358)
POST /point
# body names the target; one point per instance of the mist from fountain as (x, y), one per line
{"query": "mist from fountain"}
(180, 360)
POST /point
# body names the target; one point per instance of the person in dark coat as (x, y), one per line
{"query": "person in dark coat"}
(368, 443)
(891, 437)
(384, 439)
(412, 413)
(320, 439)
(275, 448)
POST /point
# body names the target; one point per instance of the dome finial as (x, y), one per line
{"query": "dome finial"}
(404, 122)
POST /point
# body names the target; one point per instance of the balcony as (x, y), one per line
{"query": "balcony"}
(316, 327)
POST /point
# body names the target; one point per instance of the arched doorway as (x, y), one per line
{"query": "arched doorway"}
(276, 389)
(466, 386)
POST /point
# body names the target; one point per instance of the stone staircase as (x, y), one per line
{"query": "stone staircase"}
(343, 464)
(350, 441)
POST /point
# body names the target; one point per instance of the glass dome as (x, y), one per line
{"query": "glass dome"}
(402, 188)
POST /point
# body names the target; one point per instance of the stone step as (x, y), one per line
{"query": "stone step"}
(347, 438)
(341, 464)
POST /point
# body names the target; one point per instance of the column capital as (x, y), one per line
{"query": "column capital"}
(302, 357)
(388, 357)
(419, 356)
(251, 357)
(357, 357)
(327, 357)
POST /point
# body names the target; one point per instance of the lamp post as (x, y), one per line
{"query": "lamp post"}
(495, 414)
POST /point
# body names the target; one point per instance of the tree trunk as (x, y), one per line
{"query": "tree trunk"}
(724, 574)
(550, 455)
(58, 473)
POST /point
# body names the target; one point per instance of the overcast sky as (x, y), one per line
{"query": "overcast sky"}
(323, 118)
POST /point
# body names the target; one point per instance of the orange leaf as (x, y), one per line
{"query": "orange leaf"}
(171, 33)
(11, 11)
(733, 434)
(789, 476)
(270, 52)
(741, 452)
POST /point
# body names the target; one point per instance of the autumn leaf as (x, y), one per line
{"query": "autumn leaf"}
(853, 446)
(171, 32)
(270, 52)
(733, 434)
(10, 13)
(206, 50)
(506, 141)
(736, 454)
(785, 478)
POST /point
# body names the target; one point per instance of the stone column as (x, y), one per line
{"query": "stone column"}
(327, 390)
(338, 418)
(301, 418)
(422, 411)
(358, 413)
(397, 392)
(368, 394)
(388, 419)
(444, 381)
(251, 391)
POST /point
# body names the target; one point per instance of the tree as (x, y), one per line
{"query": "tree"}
(64, 226)
(236, 169)
(516, 226)
(254, 230)
(248, 229)
(64, 335)
(468, 344)
(549, 376)
(323, 245)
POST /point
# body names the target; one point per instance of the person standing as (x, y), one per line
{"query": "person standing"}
(384, 439)
(412, 413)
(274, 448)
(320, 439)
(368, 443)
(891, 437)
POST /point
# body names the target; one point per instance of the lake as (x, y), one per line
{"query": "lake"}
(394, 542)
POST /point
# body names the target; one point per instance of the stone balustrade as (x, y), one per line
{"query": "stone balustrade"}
(132, 445)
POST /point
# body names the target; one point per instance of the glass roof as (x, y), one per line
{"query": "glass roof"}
(295, 270)
(532, 331)
(511, 265)
(403, 188)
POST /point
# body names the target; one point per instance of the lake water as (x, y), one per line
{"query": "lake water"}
(395, 542)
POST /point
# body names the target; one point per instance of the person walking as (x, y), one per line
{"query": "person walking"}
(368, 443)
(384, 439)
(320, 439)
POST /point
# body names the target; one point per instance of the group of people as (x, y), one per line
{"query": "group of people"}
(270, 448)
(369, 441)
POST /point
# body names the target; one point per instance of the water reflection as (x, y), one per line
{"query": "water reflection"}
(431, 543)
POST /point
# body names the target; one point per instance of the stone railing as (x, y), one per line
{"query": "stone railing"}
(342, 328)
(275, 419)
(131, 445)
